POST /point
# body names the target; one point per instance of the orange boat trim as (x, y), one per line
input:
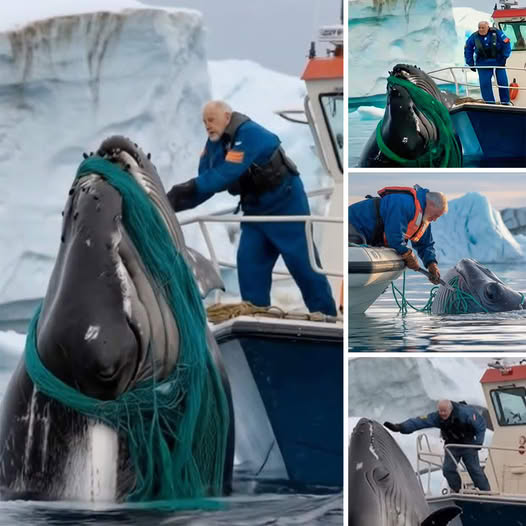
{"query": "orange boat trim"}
(323, 68)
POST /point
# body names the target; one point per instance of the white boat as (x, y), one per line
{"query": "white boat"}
(504, 389)
(370, 271)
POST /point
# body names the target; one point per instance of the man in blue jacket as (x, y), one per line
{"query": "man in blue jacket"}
(399, 215)
(491, 48)
(459, 423)
(247, 160)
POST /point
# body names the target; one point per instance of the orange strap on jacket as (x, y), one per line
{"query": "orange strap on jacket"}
(416, 227)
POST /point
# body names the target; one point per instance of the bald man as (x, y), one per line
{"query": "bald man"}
(489, 47)
(245, 159)
(459, 423)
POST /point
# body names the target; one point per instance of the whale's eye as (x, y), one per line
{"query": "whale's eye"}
(380, 474)
(492, 291)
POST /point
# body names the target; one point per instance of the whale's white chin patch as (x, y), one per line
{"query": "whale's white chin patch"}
(92, 466)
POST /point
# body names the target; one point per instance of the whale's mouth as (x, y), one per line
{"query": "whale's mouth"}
(418, 78)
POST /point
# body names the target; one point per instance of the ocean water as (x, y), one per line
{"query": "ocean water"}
(359, 133)
(383, 328)
(251, 503)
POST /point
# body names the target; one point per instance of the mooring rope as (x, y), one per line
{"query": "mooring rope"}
(220, 312)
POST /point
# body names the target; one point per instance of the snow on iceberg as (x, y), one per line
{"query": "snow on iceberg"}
(472, 228)
(422, 34)
(370, 113)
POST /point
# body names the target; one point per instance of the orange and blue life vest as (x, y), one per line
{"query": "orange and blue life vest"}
(416, 226)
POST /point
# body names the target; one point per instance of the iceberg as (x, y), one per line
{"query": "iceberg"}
(428, 33)
(472, 228)
(417, 32)
(71, 74)
(514, 219)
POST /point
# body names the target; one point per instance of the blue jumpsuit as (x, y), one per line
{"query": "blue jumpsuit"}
(396, 211)
(463, 418)
(262, 243)
(494, 43)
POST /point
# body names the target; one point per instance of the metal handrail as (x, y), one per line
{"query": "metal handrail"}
(465, 70)
(308, 220)
(447, 451)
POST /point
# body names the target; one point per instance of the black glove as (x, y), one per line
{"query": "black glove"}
(473, 69)
(182, 196)
(392, 427)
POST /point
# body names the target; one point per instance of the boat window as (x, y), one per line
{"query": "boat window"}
(510, 406)
(516, 32)
(332, 106)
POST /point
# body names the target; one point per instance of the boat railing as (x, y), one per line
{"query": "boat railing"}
(228, 216)
(428, 462)
(455, 72)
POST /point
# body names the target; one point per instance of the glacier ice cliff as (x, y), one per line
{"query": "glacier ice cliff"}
(428, 33)
(72, 74)
(472, 228)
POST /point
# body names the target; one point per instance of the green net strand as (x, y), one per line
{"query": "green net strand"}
(442, 153)
(176, 428)
(404, 304)
(458, 302)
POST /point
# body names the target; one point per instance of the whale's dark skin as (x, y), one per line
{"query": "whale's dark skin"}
(405, 130)
(383, 488)
(488, 290)
(99, 316)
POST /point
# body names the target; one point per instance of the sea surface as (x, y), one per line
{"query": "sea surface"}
(359, 133)
(252, 504)
(384, 328)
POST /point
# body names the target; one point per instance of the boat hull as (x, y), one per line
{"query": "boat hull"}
(371, 270)
(491, 135)
(484, 511)
(287, 385)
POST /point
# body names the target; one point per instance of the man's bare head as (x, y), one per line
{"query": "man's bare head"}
(444, 408)
(216, 116)
(483, 28)
(436, 205)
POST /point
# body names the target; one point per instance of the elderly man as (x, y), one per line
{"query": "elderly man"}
(247, 160)
(459, 423)
(399, 215)
(491, 48)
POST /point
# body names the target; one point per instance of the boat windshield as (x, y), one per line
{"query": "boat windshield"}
(515, 31)
(510, 405)
(332, 105)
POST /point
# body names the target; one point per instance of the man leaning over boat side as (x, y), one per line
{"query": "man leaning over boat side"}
(245, 159)
(459, 423)
(399, 215)
(489, 47)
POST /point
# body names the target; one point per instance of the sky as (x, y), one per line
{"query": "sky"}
(504, 190)
(480, 5)
(275, 33)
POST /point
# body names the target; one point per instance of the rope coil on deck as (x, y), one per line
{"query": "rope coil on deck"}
(220, 312)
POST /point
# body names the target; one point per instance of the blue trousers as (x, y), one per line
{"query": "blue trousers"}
(485, 76)
(470, 457)
(259, 248)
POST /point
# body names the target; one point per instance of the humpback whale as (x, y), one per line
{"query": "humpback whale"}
(413, 132)
(487, 292)
(383, 488)
(109, 325)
